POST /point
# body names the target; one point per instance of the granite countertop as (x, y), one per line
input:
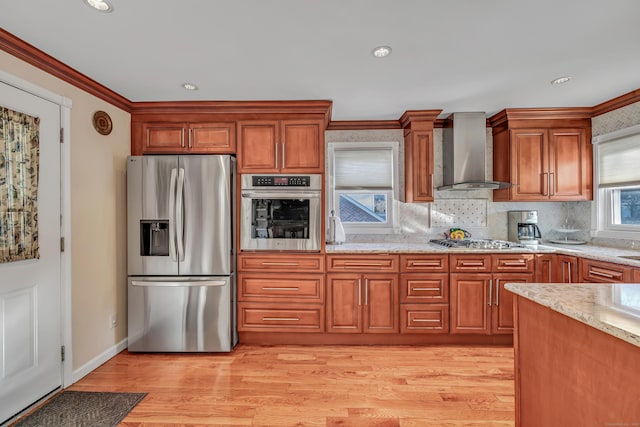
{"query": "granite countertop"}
(611, 308)
(600, 253)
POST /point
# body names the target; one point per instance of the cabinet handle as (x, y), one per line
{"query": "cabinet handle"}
(359, 291)
(363, 264)
(490, 292)
(366, 291)
(287, 319)
(515, 263)
(280, 289)
(283, 166)
(182, 142)
(425, 264)
(472, 264)
(277, 155)
(190, 136)
(568, 268)
(602, 274)
(425, 289)
(427, 320)
(279, 263)
(148, 138)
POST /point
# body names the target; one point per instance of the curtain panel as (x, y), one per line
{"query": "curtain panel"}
(19, 167)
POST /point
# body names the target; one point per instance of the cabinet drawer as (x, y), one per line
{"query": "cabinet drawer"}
(368, 263)
(288, 263)
(424, 318)
(429, 263)
(287, 288)
(522, 263)
(275, 317)
(604, 272)
(424, 288)
(472, 263)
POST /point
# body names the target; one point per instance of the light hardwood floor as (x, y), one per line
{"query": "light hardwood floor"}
(316, 386)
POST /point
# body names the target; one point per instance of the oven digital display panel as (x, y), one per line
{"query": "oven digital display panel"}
(280, 181)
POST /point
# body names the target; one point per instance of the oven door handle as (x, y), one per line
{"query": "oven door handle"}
(281, 195)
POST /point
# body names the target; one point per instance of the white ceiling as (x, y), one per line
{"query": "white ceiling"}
(454, 55)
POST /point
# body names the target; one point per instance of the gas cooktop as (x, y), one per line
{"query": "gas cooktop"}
(477, 244)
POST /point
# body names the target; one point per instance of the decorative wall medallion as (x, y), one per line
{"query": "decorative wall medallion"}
(102, 123)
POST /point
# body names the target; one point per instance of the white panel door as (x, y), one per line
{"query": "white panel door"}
(30, 290)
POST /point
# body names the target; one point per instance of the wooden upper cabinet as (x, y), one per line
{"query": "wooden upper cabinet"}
(184, 137)
(418, 154)
(281, 146)
(544, 153)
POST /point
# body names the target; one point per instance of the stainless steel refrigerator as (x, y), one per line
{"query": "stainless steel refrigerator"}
(181, 253)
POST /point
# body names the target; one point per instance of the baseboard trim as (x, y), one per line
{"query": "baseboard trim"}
(94, 363)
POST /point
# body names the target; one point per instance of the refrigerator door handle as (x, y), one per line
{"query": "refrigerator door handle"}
(179, 215)
(148, 283)
(172, 215)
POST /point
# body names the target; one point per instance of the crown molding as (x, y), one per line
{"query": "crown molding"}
(34, 56)
(570, 113)
(615, 103)
(364, 125)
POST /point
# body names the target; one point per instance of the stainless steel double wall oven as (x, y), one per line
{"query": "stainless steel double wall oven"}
(281, 212)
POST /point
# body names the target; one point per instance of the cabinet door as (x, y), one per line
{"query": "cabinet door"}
(424, 288)
(566, 269)
(344, 303)
(545, 266)
(636, 276)
(470, 309)
(529, 164)
(381, 303)
(502, 304)
(302, 146)
(603, 272)
(568, 166)
(164, 137)
(212, 137)
(419, 166)
(257, 151)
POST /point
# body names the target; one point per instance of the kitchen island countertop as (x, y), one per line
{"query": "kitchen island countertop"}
(610, 308)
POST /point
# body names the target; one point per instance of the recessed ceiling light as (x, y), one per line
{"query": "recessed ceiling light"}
(189, 86)
(381, 51)
(560, 80)
(101, 5)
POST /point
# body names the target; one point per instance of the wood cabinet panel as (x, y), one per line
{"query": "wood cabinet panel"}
(344, 303)
(300, 263)
(424, 263)
(184, 137)
(380, 303)
(566, 269)
(163, 137)
(470, 263)
(424, 318)
(603, 272)
(369, 263)
(502, 321)
(281, 287)
(529, 164)
(636, 275)
(545, 265)
(568, 166)
(281, 146)
(277, 318)
(424, 288)
(212, 137)
(470, 303)
(522, 263)
(419, 165)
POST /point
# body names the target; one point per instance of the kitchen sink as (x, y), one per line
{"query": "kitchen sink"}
(636, 257)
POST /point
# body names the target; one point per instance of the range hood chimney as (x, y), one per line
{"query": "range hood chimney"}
(464, 154)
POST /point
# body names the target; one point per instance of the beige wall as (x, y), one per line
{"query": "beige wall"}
(98, 215)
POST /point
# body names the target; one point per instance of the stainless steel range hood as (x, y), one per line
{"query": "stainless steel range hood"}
(464, 154)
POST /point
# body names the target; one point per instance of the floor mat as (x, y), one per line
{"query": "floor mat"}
(83, 409)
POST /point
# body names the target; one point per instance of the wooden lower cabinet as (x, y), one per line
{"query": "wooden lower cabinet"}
(277, 317)
(603, 272)
(362, 303)
(545, 268)
(424, 318)
(565, 269)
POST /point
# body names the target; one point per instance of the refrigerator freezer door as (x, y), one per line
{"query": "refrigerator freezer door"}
(177, 315)
(205, 222)
(151, 215)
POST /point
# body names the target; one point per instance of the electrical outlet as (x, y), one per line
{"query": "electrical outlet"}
(114, 320)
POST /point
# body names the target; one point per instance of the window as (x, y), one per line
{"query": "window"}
(617, 186)
(362, 185)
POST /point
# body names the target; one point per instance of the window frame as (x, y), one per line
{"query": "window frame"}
(391, 225)
(603, 212)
